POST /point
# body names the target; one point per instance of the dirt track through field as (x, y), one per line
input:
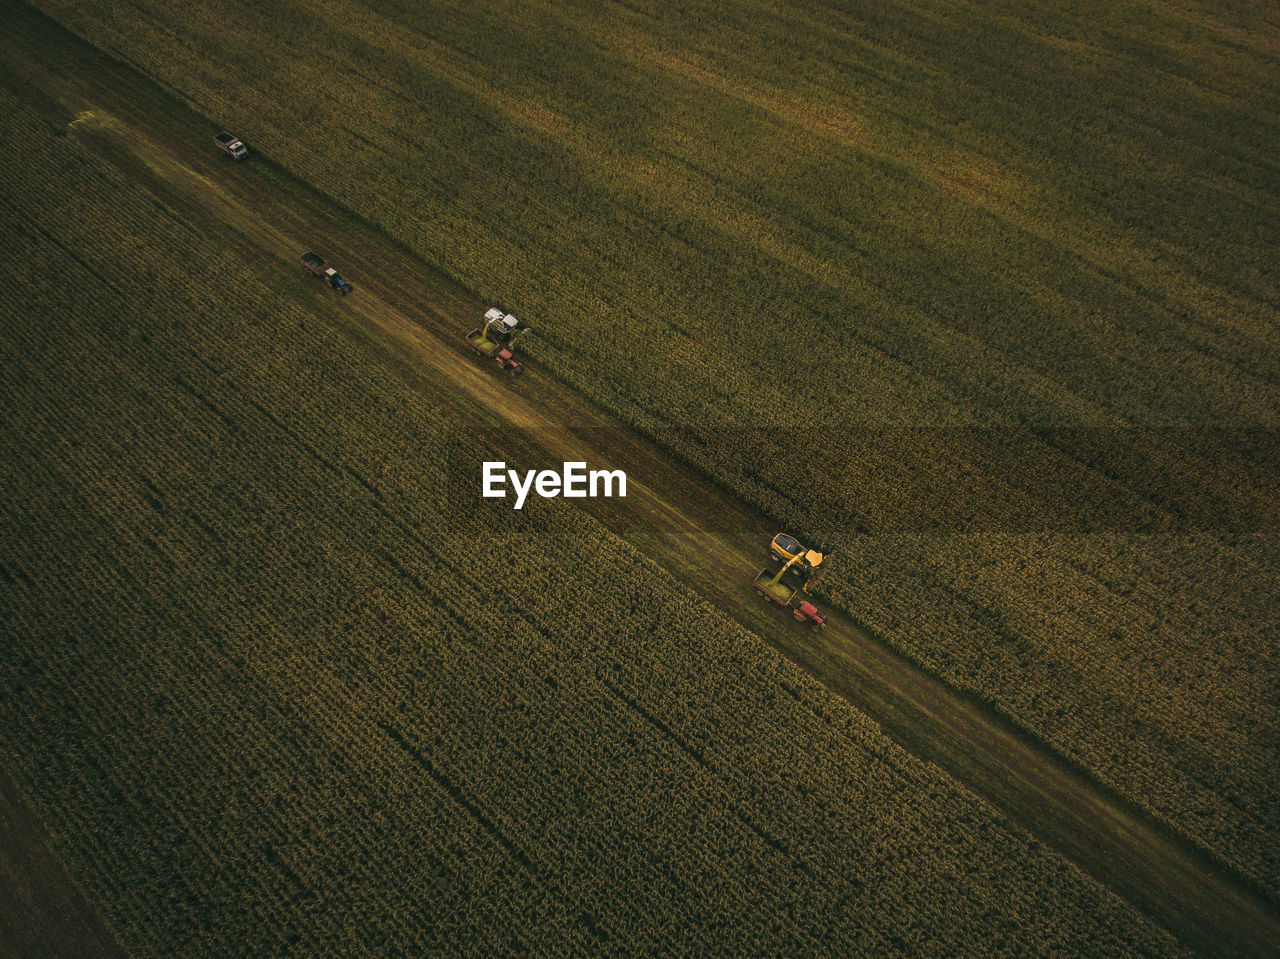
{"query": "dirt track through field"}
(412, 318)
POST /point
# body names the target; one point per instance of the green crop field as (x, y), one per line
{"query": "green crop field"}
(981, 298)
(278, 683)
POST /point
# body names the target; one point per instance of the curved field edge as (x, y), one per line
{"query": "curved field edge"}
(1124, 629)
(267, 676)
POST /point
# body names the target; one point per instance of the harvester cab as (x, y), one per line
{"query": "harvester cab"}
(787, 549)
(500, 324)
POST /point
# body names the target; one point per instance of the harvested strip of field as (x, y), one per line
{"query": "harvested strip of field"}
(981, 297)
(268, 680)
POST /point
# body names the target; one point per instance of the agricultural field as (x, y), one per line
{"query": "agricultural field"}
(270, 684)
(981, 298)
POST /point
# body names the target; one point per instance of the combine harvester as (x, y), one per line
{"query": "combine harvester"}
(497, 337)
(314, 263)
(800, 562)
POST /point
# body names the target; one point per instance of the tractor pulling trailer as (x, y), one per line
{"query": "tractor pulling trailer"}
(496, 339)
(314, 264)
(797, 570)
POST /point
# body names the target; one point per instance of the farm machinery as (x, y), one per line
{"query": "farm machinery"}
(497, 337)
(231, 146)
(785, 548)
(801, 564)
(314, 264)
